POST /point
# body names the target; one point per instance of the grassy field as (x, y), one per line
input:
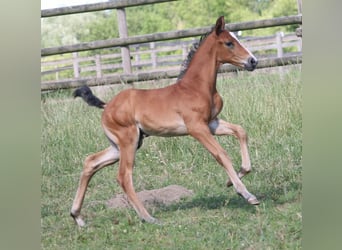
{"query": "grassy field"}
(268, 106)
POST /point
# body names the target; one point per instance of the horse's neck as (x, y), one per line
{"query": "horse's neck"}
(202, 71)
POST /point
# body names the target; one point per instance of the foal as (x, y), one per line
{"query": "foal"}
(188, 107)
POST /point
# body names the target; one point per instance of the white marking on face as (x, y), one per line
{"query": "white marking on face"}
(234, 36)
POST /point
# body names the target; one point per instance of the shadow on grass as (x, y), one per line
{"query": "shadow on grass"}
(270, 196)
(207, 203)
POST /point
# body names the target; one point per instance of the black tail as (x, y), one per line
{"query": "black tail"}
(88, 96)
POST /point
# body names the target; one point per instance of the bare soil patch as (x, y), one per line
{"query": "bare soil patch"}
(152, 198)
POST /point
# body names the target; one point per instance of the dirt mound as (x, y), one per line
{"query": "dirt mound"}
(151, 198)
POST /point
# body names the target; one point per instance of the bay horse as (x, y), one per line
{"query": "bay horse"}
(188, 107)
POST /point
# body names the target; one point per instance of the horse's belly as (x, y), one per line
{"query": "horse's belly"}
(163, 128)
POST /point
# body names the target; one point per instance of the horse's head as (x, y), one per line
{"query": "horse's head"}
(230, 49)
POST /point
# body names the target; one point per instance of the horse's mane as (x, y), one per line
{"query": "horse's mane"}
(193, 50)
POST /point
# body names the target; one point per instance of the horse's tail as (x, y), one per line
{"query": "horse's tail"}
(88, 96)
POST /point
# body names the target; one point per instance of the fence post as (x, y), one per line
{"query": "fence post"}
(184, 51)
(75, 65)
(153, 55)
(98, 65)
(299, 30)
(280, 53)
(279, 42)
(56, 74)
(137, 57)
(125, 54)
(299, 5)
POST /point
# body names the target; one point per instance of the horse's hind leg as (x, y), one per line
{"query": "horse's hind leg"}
(221, 127)
(128, 147)
(92, 164)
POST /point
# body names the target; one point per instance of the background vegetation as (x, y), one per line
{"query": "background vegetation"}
(268, 105)
(183, 14)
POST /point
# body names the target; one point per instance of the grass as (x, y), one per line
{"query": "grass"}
(267, 105)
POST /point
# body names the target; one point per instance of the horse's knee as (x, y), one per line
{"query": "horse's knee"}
(241, 132)
(88, 166)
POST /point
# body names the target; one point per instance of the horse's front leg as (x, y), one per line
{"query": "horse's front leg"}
(202, 134)
(221, 127)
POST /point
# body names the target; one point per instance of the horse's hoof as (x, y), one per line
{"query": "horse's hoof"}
(253, 201)
(153, 220)
(78, 220)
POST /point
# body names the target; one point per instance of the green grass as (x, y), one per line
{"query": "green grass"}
(266, 105)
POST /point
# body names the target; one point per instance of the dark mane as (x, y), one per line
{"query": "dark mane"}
(193, 49)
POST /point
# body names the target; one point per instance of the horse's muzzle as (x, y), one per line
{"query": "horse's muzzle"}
(251, 64)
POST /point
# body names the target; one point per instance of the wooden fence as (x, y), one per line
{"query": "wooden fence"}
(171, 35)
(155, 56)
(117, 4)
(141, 54)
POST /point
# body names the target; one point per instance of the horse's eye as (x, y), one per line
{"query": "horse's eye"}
(230, 44)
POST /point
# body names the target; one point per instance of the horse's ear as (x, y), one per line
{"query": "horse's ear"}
(219, 27)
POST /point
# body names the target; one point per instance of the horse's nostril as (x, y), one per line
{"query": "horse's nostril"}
(252, 61)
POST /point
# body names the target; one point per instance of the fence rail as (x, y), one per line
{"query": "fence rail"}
(118, 4)
(130, 78)
(156, 55)
(162, 36)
